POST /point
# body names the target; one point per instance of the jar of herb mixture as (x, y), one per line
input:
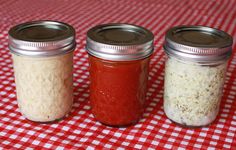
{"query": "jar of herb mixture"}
(119, 57)
(42, 53)
(194, 73)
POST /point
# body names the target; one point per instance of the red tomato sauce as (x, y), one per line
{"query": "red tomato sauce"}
(118, 90)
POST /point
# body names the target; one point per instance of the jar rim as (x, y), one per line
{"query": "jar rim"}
(119, 42)
(42, 38)
(198, 43)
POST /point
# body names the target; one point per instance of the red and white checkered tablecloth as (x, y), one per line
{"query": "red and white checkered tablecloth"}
(80, 130)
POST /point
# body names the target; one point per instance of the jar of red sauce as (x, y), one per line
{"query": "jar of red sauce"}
(119, 57)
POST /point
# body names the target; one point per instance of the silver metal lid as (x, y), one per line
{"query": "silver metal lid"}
(198, 43)
(42, 38)
(119, 42)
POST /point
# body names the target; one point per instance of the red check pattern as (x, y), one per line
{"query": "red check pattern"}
(80, 130)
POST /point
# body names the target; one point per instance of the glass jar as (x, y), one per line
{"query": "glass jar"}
(119, 57)
(194, 74)
(42, 53)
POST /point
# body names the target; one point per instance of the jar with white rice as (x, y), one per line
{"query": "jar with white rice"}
(194, 73)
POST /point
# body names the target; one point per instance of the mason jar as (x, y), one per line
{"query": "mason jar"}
(194, 73)
(119, 56)
(42, 53)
